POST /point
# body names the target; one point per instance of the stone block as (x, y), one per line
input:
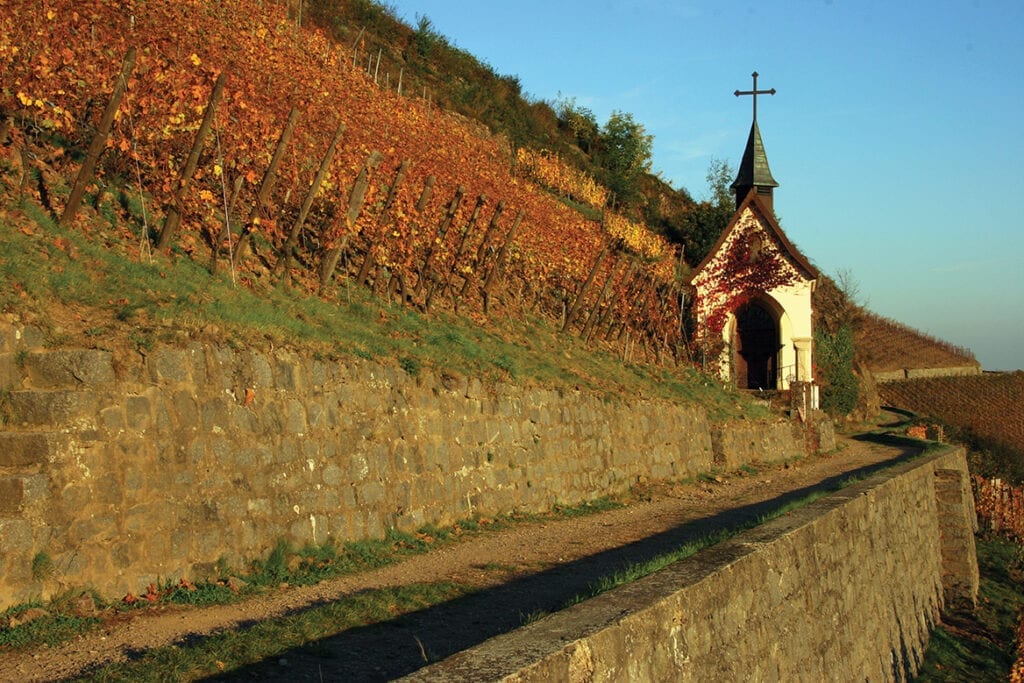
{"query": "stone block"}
(59, 408)
(185, 409)
(258, 372)
(12, 496)
(138, 413)
(30, 448)
(30, 337)
(10, 371)
(70, 369)
(215, 414)
(169, 365)
(197, 364)
(288, 374)
(295, 417)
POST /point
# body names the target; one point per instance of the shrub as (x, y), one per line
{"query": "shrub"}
(834, 355)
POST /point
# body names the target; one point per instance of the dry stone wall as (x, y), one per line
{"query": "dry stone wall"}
(846, 588)
(123, 471)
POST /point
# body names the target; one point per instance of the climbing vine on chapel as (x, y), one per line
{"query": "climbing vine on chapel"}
(751, 265)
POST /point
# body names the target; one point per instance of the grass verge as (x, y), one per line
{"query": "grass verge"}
(231, 650)
(93, 286)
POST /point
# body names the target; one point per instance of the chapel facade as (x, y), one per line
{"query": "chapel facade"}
(752, 292)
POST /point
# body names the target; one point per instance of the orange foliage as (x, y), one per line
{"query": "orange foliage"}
(57, 60)
(548, 169)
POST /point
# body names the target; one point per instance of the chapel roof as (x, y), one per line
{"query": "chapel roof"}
(754, 171)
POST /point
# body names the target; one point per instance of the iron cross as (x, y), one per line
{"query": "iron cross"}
(755, 92)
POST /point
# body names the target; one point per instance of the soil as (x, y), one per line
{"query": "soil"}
(521, 570)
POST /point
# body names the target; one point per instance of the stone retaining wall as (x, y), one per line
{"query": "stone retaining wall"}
(917, 373)
(846, 588)
(126, 471)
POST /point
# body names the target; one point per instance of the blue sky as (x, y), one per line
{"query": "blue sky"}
(896, 134)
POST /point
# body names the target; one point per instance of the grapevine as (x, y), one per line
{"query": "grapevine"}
(58, 60)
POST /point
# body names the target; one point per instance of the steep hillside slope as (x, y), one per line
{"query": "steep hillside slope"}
(986, 410)
(887, 345)
(413, 202)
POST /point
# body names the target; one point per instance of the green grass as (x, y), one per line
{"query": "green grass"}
(981, 646)
(51, 629)
(102, 274)
(233, 649)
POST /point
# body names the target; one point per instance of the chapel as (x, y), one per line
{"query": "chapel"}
(752, 292)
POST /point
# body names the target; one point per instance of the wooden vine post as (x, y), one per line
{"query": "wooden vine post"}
(293, 236)
(99, 141)
(174, 209)
(485, 248)
(267, 186)
(633, 291)
(595, 311)
(624, 283)
(355, 206)
(499, 261)
(578, 301)
(428, 191)
(459, 250)
(368, 260)
(442, 230)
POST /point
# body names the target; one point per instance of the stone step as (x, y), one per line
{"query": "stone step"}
(69, 369)
(24, 449)
(51, 408)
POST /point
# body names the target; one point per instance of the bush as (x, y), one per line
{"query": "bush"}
(834, 355)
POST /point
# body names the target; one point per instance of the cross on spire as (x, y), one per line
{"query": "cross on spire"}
(755, 92)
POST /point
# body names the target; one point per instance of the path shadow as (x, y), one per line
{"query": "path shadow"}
(400, 646)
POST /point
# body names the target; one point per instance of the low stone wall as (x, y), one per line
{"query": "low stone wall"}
(917, 373)
(846, 588)
(124, 471)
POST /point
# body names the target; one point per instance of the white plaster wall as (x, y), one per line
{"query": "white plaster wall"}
(791, 304)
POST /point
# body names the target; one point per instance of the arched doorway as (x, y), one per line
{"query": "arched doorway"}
(757, 347)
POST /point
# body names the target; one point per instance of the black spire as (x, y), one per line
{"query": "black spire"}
(754, 171)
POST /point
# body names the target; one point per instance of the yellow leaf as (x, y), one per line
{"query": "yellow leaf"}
(51, 15)
(195, 59)
(217, 170)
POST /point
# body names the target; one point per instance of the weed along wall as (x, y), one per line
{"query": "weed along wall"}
(846, 588)
(117, 472)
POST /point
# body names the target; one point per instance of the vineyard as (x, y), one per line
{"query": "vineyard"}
(988, 408)
(886, 344)
(259, 146)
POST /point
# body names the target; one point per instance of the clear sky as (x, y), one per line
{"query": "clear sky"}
(896, 134)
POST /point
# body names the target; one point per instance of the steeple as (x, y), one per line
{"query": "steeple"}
(754, 171)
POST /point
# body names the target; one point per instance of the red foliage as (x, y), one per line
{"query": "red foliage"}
(738, 275)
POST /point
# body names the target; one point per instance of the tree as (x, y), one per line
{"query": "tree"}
(426, 38)
(701, 226)
(625, 154)
(720, 176)
(706, 220)
(579, 120)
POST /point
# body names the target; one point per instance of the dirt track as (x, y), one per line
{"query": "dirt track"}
(522, 570)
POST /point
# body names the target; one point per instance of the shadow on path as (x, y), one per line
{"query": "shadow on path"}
(391, 649)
